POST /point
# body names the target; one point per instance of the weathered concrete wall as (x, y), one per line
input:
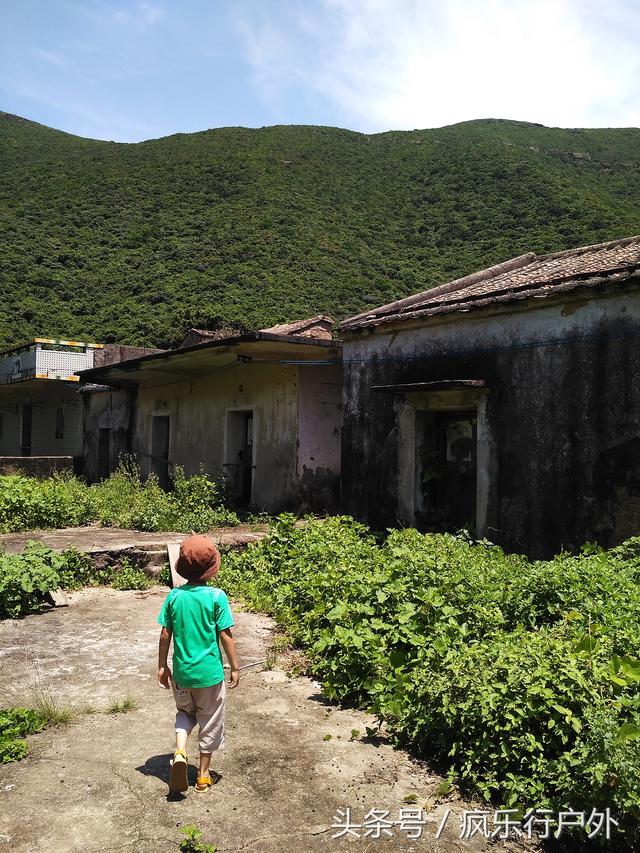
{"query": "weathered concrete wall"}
(37, 466)
(115, 353)
(319, 424)
(198, 425)
(562, 411)
(46, 397)
(105, 410)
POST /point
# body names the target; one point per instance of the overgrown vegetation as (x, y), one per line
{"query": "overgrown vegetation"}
(15, 725)
(27, 578)
(123, 500)
(130, 576)
(245, 228)
(523, 678)
(196, 503)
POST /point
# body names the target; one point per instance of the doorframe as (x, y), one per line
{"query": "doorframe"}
(254, 451)
(405, 407)
(26, 403)
(166, 415)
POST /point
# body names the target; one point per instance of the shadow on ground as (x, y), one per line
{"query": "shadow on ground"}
(159, 766)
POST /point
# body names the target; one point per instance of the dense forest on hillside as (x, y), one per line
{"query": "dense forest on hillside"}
(135, 242)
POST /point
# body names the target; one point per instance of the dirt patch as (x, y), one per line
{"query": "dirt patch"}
(100, 783)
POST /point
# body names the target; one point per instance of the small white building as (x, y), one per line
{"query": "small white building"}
(40, 408)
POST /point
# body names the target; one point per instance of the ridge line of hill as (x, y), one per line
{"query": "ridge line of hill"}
(246, 228)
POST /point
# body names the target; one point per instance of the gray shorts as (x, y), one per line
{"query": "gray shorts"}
(204, 706)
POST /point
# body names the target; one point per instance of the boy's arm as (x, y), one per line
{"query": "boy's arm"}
(229, 646)
(164, 673)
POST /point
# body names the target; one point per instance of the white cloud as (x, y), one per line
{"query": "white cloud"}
(266, 47)
(143, 13)
(137, 13)
(85, 119)
(52, 56)
(425, 63)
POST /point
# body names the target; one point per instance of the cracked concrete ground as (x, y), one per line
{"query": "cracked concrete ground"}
(95, 539)
(100, 782)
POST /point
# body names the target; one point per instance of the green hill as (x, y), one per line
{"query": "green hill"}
(135, 242)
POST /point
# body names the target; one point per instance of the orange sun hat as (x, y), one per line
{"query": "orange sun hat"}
(199, 559)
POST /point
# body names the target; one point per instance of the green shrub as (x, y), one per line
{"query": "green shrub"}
(77, 571)
(164, 575)
(15, 725)
(27, 503)
(129, 576)
(523, 677)
(113, 498)
(123, 500)
(197, 503)
(26, 578)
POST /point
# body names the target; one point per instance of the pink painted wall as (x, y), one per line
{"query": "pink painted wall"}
(319, 425)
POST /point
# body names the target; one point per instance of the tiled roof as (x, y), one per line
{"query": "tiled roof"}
(313, 327)
(318, 328)
(527, 276)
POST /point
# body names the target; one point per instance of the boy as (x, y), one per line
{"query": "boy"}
(197, 615)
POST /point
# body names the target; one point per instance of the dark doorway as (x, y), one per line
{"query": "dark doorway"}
(27, 422)
(446, 470)
(104, 453)
(240, 456)
(160, 449)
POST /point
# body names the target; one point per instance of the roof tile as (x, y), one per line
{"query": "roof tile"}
(523, 277)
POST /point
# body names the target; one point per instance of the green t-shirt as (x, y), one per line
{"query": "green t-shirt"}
(196, 613)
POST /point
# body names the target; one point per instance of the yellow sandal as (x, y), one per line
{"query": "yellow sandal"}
(203, 783)
(178, 780)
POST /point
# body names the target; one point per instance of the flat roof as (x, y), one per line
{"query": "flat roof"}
(195, 361)
(53, 341)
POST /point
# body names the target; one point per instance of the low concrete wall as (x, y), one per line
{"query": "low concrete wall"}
(36, 466)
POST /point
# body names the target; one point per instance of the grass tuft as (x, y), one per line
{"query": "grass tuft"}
(122, 706)
(38, 697)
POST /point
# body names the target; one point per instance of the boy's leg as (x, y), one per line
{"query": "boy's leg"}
(185, 715)
(205, 761)
(185, 721)
(210, 705)
(181, 739)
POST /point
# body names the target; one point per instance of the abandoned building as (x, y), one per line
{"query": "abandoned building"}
(40, 409)
(506, 403)
(263, 408)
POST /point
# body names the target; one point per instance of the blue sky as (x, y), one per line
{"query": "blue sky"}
(136, 69)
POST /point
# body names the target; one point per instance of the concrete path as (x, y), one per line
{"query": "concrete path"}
(100, 782)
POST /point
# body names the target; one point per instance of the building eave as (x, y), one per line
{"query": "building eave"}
(194, 361)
